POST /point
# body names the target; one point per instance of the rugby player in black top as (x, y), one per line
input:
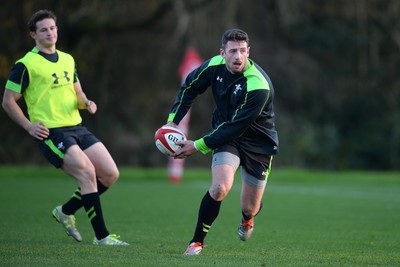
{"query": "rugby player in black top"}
(243, 131)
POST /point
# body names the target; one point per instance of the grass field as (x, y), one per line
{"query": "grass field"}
(310, 218)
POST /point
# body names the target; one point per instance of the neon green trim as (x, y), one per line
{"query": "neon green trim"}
(53, 148)
(206, 228)
(171, 117)
(269, 168)
(201, 146)
(35, 50)
(77, 196)
(91, 213)
(13, 86)
(255, 80)
(217, 60)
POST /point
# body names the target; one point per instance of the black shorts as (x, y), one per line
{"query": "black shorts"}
(256, 164)
(60, 139)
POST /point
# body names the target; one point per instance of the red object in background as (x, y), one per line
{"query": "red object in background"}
(190, 61)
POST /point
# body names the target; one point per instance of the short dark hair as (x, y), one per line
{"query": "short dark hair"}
(39, 16)
(234, 35)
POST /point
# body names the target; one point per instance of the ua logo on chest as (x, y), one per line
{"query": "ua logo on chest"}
(56, 78)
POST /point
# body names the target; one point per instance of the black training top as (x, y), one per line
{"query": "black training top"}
(244, 106)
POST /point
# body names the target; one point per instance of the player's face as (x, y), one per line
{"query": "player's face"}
(46, 33)
(236, 55)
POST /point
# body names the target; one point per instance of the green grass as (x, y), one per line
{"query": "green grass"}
(310, 218)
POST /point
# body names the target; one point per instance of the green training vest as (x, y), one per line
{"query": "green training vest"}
(50, 96)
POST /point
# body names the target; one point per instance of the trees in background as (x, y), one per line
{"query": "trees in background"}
(334, 65)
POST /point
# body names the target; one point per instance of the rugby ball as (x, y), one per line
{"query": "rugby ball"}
(166, 138)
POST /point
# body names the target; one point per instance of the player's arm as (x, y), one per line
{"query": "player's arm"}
(229, 130)
(195, 83)
(15, 112)
(245, 114)
(83, 101)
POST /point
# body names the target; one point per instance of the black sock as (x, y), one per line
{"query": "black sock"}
(75, 202)
(208, 212)
(91, 203)
(245, 217)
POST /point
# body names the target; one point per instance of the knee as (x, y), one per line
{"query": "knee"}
(109, 178)
(114, 175)
(219, 192)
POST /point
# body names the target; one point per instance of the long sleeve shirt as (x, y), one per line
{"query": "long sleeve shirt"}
(244, 110)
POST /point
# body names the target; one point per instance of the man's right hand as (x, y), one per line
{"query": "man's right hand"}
(39, 131)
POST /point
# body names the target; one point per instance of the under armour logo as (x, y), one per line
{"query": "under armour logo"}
(237, 88)
(66, 76)
(56, 78)
(220, 79)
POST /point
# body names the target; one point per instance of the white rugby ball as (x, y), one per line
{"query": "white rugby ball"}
(166, 138)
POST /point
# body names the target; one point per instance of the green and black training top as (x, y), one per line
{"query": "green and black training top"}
(244, 110)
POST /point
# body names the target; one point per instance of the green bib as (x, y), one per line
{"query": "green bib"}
(50, 96)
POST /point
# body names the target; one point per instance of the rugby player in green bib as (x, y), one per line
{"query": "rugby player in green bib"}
(47, 80)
